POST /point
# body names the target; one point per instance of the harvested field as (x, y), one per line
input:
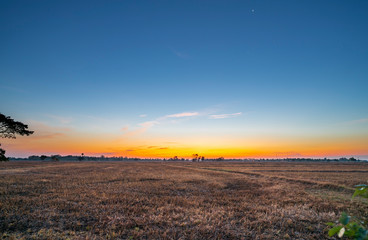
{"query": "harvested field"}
(152, 200)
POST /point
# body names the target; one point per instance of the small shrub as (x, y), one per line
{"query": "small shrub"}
(350, 226)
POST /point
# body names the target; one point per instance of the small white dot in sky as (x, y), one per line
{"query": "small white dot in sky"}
(252, 10)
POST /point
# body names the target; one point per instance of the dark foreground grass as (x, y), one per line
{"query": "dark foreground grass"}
(122, 200)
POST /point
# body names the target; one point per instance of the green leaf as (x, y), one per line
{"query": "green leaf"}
(362, 233)
(358, 192)
(344, 219)
(331, 224)
(334, 230)
(361, 190)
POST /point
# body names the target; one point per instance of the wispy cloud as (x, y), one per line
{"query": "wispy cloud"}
(359, 121)
(142, 127)
(148, 124)
(47, 136)
(143, 115)
(221, 116)
(183, 114)
(156, 147)
(60, 119)
(43, 127)
(176, 117)
(179, 54)
(45, 131)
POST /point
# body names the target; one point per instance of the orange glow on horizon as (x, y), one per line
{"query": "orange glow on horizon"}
(91, 148)
(75, 143)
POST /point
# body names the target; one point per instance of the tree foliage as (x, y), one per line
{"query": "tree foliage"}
(9, 128)
(2, 155)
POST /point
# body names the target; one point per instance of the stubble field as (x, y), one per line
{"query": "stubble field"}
(152, 200)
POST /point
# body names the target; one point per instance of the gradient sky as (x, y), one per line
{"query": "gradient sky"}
(164, 78)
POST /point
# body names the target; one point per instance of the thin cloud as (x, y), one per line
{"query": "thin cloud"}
(157, 147)
(60, 119)
(143, 115)
(184, 114)
(179, 54)
(146, 125)
(143, 127)
(359, 121)
(222, 116)
(47, 136)
(177, 117)
(45, 131)
(41, 127)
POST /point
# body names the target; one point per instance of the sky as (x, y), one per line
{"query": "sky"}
(233, 79)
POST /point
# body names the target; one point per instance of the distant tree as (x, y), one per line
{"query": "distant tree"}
(34, 157)
(43, 157)
(195, 157)
(352, 159)
(80, 158)
(8, 129)
(55, 158)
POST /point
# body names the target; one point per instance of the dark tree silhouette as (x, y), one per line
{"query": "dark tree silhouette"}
(2, 155)
(81, 157)
(8, 129)
(43, 157)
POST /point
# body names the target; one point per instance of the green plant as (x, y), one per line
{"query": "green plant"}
(350, 226)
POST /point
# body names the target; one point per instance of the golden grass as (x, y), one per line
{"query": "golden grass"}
(126, 200)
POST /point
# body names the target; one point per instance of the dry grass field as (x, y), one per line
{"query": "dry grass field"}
(127, 200)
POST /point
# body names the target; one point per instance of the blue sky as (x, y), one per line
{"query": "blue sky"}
(290, 68)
